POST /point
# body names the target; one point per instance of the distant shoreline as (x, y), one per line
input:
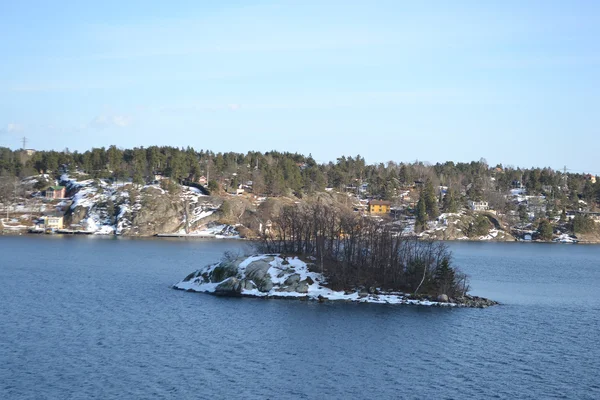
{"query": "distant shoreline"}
(209, 237)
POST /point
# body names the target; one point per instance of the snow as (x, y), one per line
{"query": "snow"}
(280, 272)
(565, 238)
(218, 231)
(94, 195)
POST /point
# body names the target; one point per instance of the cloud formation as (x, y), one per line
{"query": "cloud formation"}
(107, 121)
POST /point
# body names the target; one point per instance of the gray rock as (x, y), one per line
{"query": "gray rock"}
(442, 298)
(288, 289)
(248, 284)
(302, 287)
(265, 285)
(257, 270)
(229, 287)
(292, 279)
(224, 271)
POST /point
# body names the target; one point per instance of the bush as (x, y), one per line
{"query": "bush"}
(583, 224)
(545, 230)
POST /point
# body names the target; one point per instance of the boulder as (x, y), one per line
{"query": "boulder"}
(302, 287)
(229, 287)
(223, 271)
(309, 280)
(248, 284)
(442, 298)
(265, 285)
(292, 279)
(257, 270)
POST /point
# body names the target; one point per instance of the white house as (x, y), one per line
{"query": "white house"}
(479, 205)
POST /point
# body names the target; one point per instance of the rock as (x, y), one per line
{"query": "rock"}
(257, 270)
(302, 287)
(309, 280)
(442, 298)
(229, 287)
(248, 284)
(373, 290)
(292, 279)
(265, 285)
(224, 271)
(189, 277)
(288, 289)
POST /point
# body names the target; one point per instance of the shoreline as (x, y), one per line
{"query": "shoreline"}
(66, 232)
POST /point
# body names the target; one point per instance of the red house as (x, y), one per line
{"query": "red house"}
(56, 192)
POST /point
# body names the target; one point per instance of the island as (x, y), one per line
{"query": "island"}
(322, 251)
(276, 276)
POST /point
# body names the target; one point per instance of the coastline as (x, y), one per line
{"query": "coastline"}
(28, 232)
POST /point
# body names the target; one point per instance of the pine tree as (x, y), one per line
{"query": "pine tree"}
(445, 279)
(450, 203)
(421, 217)
(431, 203)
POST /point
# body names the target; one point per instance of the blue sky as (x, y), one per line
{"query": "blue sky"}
(515, 82)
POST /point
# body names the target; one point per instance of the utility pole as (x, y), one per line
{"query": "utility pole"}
(24, 141)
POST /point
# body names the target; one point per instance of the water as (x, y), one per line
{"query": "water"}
(85, 317)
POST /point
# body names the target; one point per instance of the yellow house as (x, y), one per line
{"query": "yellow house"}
(53, 222)
(379, 207)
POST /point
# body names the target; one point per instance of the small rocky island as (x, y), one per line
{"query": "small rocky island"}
(277, 276)
(323, 251)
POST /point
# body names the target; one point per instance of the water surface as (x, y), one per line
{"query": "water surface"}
(88, 317)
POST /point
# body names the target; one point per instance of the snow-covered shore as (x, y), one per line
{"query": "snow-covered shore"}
(276, 276)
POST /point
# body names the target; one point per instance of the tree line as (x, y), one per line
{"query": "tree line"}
(281, 173)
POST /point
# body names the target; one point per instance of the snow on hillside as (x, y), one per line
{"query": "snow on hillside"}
(108, 207)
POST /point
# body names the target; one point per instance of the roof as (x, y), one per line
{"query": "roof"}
(379, 203)
(56, 187)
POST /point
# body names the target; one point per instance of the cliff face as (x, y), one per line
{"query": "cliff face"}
(126, 209)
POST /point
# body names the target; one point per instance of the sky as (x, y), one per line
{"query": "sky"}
(514, 82)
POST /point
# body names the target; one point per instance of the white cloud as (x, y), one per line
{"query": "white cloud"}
(12, 127)
(107, 121)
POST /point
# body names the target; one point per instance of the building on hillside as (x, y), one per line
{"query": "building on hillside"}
(158, 176)
(379, 207)
(53, 223)
(591, 178)
(55, 192)
(202, 180)
(479, 205)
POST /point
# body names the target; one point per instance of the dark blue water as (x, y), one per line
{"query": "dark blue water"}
(85, 317)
